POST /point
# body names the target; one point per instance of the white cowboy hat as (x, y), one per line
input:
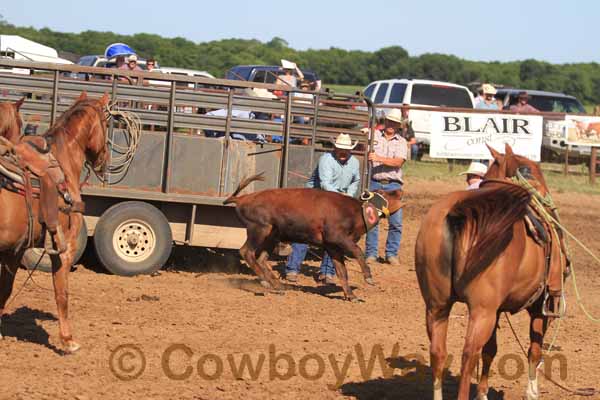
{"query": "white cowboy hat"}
(344, 141)
(488, 89)
(476, 168)
(259, 92)
(132, 57)
(395, 115)
(285, 64)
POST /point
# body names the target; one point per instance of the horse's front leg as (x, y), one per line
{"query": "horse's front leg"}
(8, 272)
(61, 266)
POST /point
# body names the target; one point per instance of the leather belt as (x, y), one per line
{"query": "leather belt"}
(388, 181)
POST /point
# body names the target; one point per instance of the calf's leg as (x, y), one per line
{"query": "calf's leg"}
(337, 256)
(255, 243)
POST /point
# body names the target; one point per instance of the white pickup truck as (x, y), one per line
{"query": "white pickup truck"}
(419, 92)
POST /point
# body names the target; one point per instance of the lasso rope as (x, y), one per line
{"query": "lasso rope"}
(120, 162)
(540, 203)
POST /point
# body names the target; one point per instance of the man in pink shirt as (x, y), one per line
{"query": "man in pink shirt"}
(522, 105)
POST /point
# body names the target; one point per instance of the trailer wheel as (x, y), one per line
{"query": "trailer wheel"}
(31, 257)
(133, 238)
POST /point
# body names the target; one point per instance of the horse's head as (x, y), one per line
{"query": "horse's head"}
(10, 120)
(506, 166)
(96, 149)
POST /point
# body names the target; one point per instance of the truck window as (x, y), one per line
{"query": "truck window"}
(380, 96)
(556, 104)
(397, 93)
(440, 96)
(369, 90)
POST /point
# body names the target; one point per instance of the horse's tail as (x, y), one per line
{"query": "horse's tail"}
(245, 182)
(487, 217)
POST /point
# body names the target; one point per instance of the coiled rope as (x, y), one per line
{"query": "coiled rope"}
(121, 155)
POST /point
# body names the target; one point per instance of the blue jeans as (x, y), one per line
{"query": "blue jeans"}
(394, 236)
(298, 255)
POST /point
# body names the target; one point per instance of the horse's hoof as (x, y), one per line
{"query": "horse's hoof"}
(370, 281)
(71, 347)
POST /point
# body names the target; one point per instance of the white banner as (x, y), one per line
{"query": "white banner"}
(464, 135)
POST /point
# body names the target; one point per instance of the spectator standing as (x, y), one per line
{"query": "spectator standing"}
(388, 155)
(523, 105)
(488, 102)
(338, 171)
(150, 64)
(131, 64)
(474, 174)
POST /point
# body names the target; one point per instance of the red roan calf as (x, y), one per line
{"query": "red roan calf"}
(330, 220)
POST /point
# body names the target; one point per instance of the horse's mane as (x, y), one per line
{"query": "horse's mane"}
(487, 215)
(8, 116)
(78, 111)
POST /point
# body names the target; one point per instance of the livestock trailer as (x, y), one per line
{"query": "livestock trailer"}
(199, 138)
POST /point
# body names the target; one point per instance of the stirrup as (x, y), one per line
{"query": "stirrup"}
(562, 306)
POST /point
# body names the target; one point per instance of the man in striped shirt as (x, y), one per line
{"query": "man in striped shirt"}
(389, 153)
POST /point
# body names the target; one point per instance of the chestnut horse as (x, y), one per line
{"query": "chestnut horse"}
(10, 120)
(79, 135)
(473, 248)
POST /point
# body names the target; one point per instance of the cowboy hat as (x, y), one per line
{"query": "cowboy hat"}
(259, 92)
(344, 141)
(488, 89)
(395, 115)
(285, 64)
(476, 168)
(132, 57)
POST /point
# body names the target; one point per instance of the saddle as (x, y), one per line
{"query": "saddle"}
(543, 233)
(31, 170)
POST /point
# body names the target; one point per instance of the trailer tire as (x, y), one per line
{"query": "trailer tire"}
(133, 238)
(31, 257)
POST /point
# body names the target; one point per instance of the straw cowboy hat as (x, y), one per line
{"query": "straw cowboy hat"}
(285, 64)
(476, 168)
(132, 57)
(259, 92)
(344, 141)
(488, 89)
(395, 115)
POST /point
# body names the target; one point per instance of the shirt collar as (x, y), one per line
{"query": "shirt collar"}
(396, 135)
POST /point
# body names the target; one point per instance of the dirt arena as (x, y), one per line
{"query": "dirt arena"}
(184, 333)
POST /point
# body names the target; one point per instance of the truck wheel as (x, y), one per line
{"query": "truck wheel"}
(133, 238)
(31, 257)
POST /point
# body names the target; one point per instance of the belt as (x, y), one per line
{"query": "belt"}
(388, 181)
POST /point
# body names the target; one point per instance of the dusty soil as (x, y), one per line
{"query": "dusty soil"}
(312, 343)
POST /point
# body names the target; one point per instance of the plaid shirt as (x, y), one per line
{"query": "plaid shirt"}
(396, 147)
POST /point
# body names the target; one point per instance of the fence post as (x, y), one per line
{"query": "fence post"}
(593, 165)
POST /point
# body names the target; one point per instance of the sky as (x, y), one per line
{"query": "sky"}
(491, 30)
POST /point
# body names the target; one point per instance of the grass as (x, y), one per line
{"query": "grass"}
(345, 89)
(576, 182)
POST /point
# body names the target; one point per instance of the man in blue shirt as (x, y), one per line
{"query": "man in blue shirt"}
(339, 172)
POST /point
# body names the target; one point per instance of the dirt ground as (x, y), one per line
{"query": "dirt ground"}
(186, 332)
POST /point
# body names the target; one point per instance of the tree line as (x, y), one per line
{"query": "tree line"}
(334, 65)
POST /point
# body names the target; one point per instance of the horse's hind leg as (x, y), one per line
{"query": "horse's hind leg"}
(437, 330)
(482, 323)
(8, 272)
(489, 352)
(537, 330)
